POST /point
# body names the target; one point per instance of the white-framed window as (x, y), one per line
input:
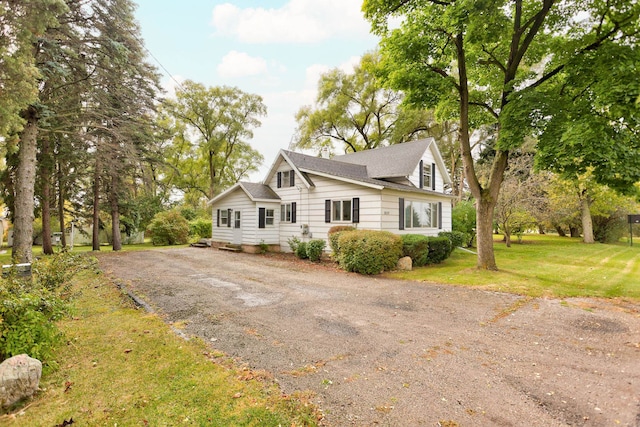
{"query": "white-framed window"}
(286, 178)
(224, 218)
(269, 217)
(341, 210)
(421, 214)
(426, 176)
(288, 212)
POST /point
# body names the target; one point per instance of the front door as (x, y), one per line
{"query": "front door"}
(237, 228)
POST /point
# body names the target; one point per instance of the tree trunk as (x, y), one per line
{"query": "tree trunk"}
(541, 230)
(507, 237)
(45, 176)
(560, 231)
(25, 189)
(587, 223)
(115, 213)
(574, 231)
(95, 235)
(61, 198)
(484, 233)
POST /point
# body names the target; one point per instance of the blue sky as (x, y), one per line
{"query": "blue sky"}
(276, 49)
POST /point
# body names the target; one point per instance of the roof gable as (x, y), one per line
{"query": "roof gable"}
(255, 192)
(394, 161)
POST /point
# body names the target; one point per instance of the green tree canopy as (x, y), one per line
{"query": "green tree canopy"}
(473, 60)
(211, 128)
(355, 111)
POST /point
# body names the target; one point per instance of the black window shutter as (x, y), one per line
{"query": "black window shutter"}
(421, 178)
(218, 218)
(433, 176)
(262, 217)
(440, 215)
(401, 213)
(279, 184)
(355, 204)
(293, 212)
(327, 211)
(229, 211)
(292, 179)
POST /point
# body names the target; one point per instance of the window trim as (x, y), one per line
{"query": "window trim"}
(291, 217)
(351, 215)
(407, 215)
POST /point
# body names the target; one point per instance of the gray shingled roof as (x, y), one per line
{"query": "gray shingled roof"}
(394, 161)
(259, 191)
(351, 171)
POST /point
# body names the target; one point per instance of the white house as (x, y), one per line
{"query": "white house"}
(399, 188)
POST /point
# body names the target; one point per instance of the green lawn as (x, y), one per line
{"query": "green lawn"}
(544, 266)
(121, 366)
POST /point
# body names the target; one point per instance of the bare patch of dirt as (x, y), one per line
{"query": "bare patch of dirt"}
(376, 351)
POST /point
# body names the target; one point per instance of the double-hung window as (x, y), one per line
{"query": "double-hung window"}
(223, 218)
(268, 219)
(426, 176)
(342, 210)
(288, 212)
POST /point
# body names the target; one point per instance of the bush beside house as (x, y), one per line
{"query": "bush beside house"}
(368, 252)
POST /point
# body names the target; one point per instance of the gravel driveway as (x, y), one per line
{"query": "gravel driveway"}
(376, 351)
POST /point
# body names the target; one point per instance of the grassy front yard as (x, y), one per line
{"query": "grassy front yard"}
(546, 265)
(121, 366)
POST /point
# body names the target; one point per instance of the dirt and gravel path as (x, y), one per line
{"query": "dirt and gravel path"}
(376, 351)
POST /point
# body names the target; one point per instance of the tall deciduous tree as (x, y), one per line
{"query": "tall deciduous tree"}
(355, 111)
(475, 59)
(212, 127)
(590, 124)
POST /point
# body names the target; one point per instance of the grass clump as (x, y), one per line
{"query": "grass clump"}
(122, 366)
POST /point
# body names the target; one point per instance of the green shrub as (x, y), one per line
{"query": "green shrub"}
(416, 246)
(439, 249)
(368, 252)
(293, 244)
(334, 235)
(169, 228)
(29, 307)
(200, 228)
(315, 248)
(463, 219)
(301, 250)
(457, 238)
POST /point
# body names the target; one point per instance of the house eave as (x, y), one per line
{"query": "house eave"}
(343, 179)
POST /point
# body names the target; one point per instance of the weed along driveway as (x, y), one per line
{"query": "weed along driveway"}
(376, 351)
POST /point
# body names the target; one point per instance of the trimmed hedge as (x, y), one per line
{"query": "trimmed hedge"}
(368, 252)
(416, 246)
(457, 238)
(439, 249)
(334, 235)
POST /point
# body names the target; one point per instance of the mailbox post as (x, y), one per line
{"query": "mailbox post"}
(633, 219)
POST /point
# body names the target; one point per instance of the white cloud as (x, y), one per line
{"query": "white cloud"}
(240, 64)
(298, 21)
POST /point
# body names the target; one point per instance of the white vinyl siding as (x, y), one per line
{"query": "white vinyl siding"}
(418, 176)
(238, 201)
